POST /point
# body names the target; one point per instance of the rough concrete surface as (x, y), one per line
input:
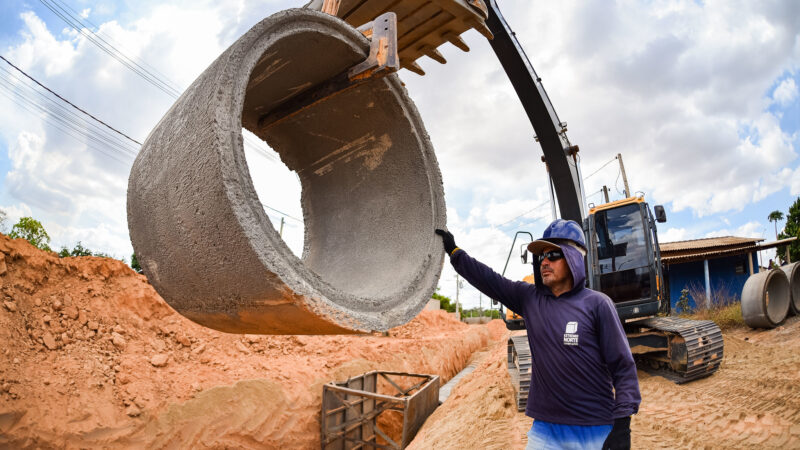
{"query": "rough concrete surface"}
(372, 191)
(765, 299)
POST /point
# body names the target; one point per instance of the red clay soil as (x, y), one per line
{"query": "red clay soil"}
(92, 357)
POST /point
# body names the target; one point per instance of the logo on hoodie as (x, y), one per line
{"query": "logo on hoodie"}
(571, 334)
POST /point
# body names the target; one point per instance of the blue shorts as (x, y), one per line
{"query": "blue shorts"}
(546, 435)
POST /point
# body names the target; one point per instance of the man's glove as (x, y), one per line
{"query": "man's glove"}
(620, 436)
(448, 241)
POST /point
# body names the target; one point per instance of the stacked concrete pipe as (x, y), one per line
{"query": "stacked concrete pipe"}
(792, 272)
(371, 191)
(765, 299)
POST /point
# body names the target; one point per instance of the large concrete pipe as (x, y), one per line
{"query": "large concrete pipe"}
(371, 190)
(765, 299)
(792, 272)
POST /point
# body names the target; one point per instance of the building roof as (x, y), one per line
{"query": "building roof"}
(707, 248)
(777, 243)
(713, 242)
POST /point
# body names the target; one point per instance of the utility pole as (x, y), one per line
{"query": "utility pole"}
(624, 177)
(281, 232)
(605, 193)
(458, 307)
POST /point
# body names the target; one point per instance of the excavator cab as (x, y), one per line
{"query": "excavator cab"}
(624, 261)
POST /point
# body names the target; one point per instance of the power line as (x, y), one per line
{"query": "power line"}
(601, 168)
(281, 212)
(57, 109)
(70, 124)
(83, 21)
(68, 102)
(109, 49)
(545, 203)
(59, 123)
(159, 82)
(525, 213)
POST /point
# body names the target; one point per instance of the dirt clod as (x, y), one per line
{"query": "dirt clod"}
(49, 341)
(159, 360)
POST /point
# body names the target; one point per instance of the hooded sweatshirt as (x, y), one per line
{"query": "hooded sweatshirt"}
(583, 372)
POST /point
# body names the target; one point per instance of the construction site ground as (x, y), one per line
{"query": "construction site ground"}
(92, 357)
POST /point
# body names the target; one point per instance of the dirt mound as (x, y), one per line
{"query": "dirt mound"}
(497, 330)
(427, 322)
(93, 357)
(483, 402)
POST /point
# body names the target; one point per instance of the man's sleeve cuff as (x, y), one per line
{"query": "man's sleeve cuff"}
(454, 251)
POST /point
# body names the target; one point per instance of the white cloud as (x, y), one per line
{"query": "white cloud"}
(41, 48)
(673, 235)
(752, 229)
(786, 92)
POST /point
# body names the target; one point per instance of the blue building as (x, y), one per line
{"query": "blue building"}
(716, 266)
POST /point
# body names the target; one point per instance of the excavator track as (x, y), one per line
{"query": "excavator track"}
(699, 340)
(519, 367)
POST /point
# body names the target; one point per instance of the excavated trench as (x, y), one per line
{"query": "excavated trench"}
(371, 190)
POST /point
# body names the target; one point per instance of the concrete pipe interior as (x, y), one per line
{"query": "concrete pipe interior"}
(765, 299)
(359, 166)
(776, 298)
(371, 190)
(792, 272)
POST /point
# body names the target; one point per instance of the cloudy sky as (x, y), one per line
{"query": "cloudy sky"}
(700, 98)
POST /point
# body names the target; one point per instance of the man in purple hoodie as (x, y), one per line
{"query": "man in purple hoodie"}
(583, 382)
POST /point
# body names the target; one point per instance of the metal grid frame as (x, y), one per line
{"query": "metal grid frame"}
(350, 409)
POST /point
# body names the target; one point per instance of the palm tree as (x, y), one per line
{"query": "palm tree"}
(775, 216)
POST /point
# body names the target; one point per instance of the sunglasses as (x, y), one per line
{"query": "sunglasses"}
(552, 255)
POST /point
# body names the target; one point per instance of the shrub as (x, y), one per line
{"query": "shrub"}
(32, 231)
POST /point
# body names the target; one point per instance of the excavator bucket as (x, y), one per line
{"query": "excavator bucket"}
(324, 96)
(422, 25)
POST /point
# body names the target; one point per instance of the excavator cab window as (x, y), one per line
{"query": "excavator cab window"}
(623, 259)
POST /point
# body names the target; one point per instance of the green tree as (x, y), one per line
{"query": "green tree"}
(775, 216)
(78, 250)
(444, 302)
(32, 231)
(138, 268)
(791, 229)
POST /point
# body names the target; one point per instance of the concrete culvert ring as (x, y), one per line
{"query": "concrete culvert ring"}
(792, 272)
(765, 299)
(372, 192)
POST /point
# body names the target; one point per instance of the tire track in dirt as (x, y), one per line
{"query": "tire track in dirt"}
(753, 401)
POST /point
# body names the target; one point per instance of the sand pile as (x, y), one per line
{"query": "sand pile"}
(93, 357)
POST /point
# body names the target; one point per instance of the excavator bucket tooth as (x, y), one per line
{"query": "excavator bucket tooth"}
(414, 67)
(434, 54)
(457, 41)
(372, 191)
(422, 25)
